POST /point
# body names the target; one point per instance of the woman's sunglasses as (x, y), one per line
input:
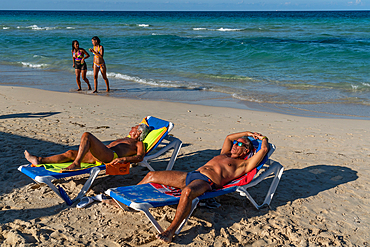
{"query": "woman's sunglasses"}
(240, 144)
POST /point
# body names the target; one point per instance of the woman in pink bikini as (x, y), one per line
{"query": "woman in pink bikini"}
(78, 56)
(99, 63)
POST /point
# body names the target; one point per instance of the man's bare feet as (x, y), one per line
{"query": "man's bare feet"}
(72, 167)
(165, 236)
(95, 91)
(31, 158)
(79, 89)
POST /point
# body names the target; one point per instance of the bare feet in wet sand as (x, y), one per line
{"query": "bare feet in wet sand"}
(31, 158)
(165, 236)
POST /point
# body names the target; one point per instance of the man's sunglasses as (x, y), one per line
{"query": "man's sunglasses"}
(240, 144)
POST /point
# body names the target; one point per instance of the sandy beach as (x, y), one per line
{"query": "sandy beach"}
(322, 200)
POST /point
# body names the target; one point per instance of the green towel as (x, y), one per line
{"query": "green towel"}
(153, 137)
(58, 166)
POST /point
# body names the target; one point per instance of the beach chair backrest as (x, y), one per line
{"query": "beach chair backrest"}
(160, 129)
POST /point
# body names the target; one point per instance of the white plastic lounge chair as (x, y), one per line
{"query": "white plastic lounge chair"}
(165, 139)
(145, 196)
(162, 127)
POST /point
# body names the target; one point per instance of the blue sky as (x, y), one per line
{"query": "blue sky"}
(189, 5)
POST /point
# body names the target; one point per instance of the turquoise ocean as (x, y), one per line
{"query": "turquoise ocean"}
(301, 63)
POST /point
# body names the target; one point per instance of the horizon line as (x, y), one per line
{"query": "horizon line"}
(328, 10)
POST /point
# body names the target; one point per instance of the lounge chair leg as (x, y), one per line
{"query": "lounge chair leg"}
(278, 173)
(244, 192)
(275, 168)
(143, 207)
(176, 150)
(47, 181)
(93, 174)
(174, 143)
(153, 220)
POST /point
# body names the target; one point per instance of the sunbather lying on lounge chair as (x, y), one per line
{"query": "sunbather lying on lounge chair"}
(220, 170)
(129, 149)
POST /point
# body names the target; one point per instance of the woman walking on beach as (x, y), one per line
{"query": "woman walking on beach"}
(99, 63)
(78, 56)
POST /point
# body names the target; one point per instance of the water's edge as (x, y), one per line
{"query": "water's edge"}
(38, 78)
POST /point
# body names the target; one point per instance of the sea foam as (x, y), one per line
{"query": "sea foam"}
(227, 29)
(247, 98)
(160, 83)
(35, 27)
(151, 82)
(34, 65)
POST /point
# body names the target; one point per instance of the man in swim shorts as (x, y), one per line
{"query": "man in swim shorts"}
(129, 149)
(220, 170)
(194, 175)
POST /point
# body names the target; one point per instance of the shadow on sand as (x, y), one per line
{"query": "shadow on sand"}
(29, 115)
(12, 148)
